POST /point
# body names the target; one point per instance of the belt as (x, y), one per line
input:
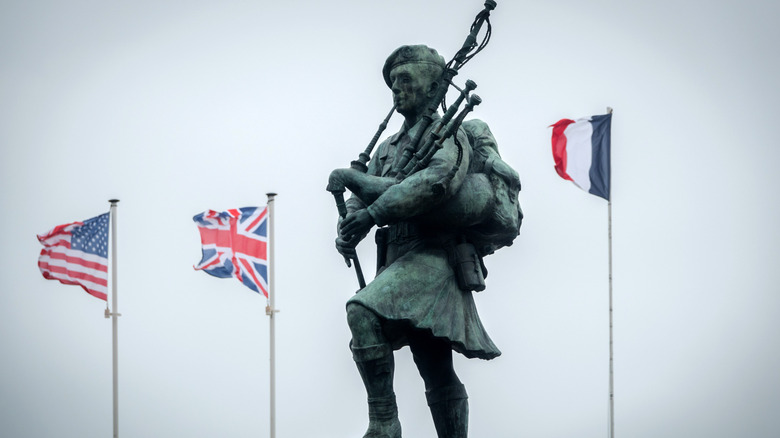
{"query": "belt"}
(402, 232)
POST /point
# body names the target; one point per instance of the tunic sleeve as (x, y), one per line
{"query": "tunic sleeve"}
(415, 194)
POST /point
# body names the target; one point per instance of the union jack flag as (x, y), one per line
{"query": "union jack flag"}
(77, 253)
(235, 244)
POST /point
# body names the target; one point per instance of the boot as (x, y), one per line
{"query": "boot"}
(383, 418)
(450, 410)
(376, 366)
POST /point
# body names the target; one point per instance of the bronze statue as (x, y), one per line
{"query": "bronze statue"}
(443, 200)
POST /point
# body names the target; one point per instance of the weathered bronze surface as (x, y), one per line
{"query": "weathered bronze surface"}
(443, 199)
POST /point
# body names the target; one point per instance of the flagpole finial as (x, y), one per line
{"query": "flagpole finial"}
(113, 201)
(270, 194)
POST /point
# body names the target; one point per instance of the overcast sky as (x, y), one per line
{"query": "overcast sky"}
(179, 107)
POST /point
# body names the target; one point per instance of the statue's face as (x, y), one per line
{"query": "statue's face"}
(412, 88)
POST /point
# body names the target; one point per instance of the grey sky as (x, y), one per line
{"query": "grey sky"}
(179, 107)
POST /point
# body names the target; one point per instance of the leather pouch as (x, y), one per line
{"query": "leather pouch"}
(468, 268)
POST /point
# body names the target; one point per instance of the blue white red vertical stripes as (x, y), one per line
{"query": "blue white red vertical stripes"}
(581, 150)
(235, 244)
(77, 253)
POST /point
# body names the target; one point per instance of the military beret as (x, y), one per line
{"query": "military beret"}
(417, 54)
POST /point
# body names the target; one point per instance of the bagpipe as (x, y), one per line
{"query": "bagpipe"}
(425, 143)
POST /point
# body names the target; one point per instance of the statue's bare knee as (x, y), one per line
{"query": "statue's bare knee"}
(365, 326)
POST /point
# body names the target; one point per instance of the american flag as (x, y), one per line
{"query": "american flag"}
(77, 253)
(235, 244)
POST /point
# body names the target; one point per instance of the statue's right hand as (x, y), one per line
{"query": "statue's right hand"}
(345, 245)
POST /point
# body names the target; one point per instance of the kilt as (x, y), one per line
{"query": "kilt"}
(418, 291)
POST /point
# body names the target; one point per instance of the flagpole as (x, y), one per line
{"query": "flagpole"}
(611, 357)
(270, 311)
(114, 314)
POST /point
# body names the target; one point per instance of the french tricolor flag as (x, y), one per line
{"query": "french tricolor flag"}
(582, 152)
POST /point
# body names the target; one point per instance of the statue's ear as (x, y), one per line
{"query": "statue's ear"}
(432, 89)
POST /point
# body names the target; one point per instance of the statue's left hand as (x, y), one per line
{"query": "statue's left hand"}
(357, 223)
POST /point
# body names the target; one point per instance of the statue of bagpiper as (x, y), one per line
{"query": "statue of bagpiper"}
(443, 200)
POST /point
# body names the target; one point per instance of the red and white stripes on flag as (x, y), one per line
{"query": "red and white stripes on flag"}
(77, 253)
(581, 150)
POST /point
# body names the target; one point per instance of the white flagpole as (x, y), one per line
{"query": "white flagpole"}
(611, 358)
(114, 315)
(611, 368)
(270, 310)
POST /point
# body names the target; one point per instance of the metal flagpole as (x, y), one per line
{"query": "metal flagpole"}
(270, 310)
(611, 358)
(611, 369)
(114, 315)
